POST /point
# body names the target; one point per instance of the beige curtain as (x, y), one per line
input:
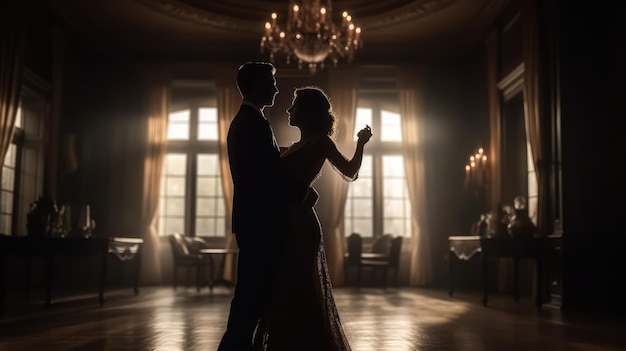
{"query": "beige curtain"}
(157, 108)
(532, 108)
(228, 102)
(11, 58)
(342, 89)
(410, 82)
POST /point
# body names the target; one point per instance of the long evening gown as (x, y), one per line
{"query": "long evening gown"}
(303, 316)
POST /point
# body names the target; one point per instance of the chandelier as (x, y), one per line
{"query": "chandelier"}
(311, 36)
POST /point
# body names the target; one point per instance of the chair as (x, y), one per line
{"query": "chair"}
(353, 254)
(380, 248)
(186, 254)
(391, 261)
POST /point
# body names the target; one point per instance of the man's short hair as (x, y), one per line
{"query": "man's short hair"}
(250, 74)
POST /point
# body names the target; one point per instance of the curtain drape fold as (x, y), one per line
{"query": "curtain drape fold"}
(410, 84)
(11, 65)
(532, 109)
(343, 94)
(157, 110)
(228, 102)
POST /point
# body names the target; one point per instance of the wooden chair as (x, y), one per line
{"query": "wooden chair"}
(384, 264)
(185, 254)
(353, 254)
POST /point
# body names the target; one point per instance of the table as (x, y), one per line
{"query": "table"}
(462, 248)
(48, 248)
(517, 249)
(208, 255)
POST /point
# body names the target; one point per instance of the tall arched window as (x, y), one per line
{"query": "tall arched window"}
(378, 203)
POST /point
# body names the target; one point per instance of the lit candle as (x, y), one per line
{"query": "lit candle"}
(268, 29)
(323, 15)
(358, 35)
(274, 16)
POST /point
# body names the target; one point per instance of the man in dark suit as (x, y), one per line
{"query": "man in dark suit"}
(258, 203)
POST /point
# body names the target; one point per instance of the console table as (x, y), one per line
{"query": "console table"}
(47, 248)
(517, 249)
(463, 248)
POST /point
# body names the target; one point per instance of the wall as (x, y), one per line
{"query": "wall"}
(456, 123)
(592, 113)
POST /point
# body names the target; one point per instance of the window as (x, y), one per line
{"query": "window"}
(22, 175)
(378, 202)
(191, 197)
(533, 191)
(9, 171)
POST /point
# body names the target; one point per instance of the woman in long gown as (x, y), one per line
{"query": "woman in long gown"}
(303, 316)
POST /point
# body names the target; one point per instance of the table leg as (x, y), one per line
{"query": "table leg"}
(516, 278)
(49, 274)
(539, 300)
(211, 273)
(485, 263)
(3, 276)
(452, 263)
(137, 271)
(103, 274)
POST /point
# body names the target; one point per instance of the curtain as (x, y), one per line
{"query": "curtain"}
(11, 63)
(228, 102)
(532, 106)
(342, 90)
(410, 83)
(157, 108)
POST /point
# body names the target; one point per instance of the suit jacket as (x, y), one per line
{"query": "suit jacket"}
(254, 160)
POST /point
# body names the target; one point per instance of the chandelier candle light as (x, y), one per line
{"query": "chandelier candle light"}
(311, 36)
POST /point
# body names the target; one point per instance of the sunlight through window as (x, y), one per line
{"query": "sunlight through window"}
(178, 127)
(378, 202)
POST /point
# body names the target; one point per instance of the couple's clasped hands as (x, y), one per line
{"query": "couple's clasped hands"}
(364, 135)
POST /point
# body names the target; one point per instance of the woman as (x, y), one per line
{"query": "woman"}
(303, 315)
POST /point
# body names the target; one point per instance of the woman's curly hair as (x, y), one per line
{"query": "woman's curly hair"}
(315, 105)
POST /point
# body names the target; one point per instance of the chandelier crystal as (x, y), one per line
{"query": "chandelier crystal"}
(311, 36)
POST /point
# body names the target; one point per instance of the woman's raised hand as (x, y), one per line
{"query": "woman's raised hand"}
(364, 135)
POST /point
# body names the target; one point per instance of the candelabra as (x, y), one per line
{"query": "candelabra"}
(477, 176)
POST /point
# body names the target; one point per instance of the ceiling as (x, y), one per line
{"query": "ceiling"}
(393, 30)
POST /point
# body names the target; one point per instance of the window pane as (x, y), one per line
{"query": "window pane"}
(393, 188)
(390, 126)
(7, 194)
(178, 126)
(396, 204)
(210, 207)
(393, 166)
(5, 224)
(176, 164)
(174, 206)
(207, 123)
(363, 117)
(172, 196)
(359, 210)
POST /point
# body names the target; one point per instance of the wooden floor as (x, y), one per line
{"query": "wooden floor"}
(396, 320)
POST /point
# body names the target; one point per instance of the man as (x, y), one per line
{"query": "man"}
(258, 203)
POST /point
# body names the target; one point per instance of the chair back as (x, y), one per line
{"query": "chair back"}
(178, 246)
(395, 250)
(355, 248)
(382, 245)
